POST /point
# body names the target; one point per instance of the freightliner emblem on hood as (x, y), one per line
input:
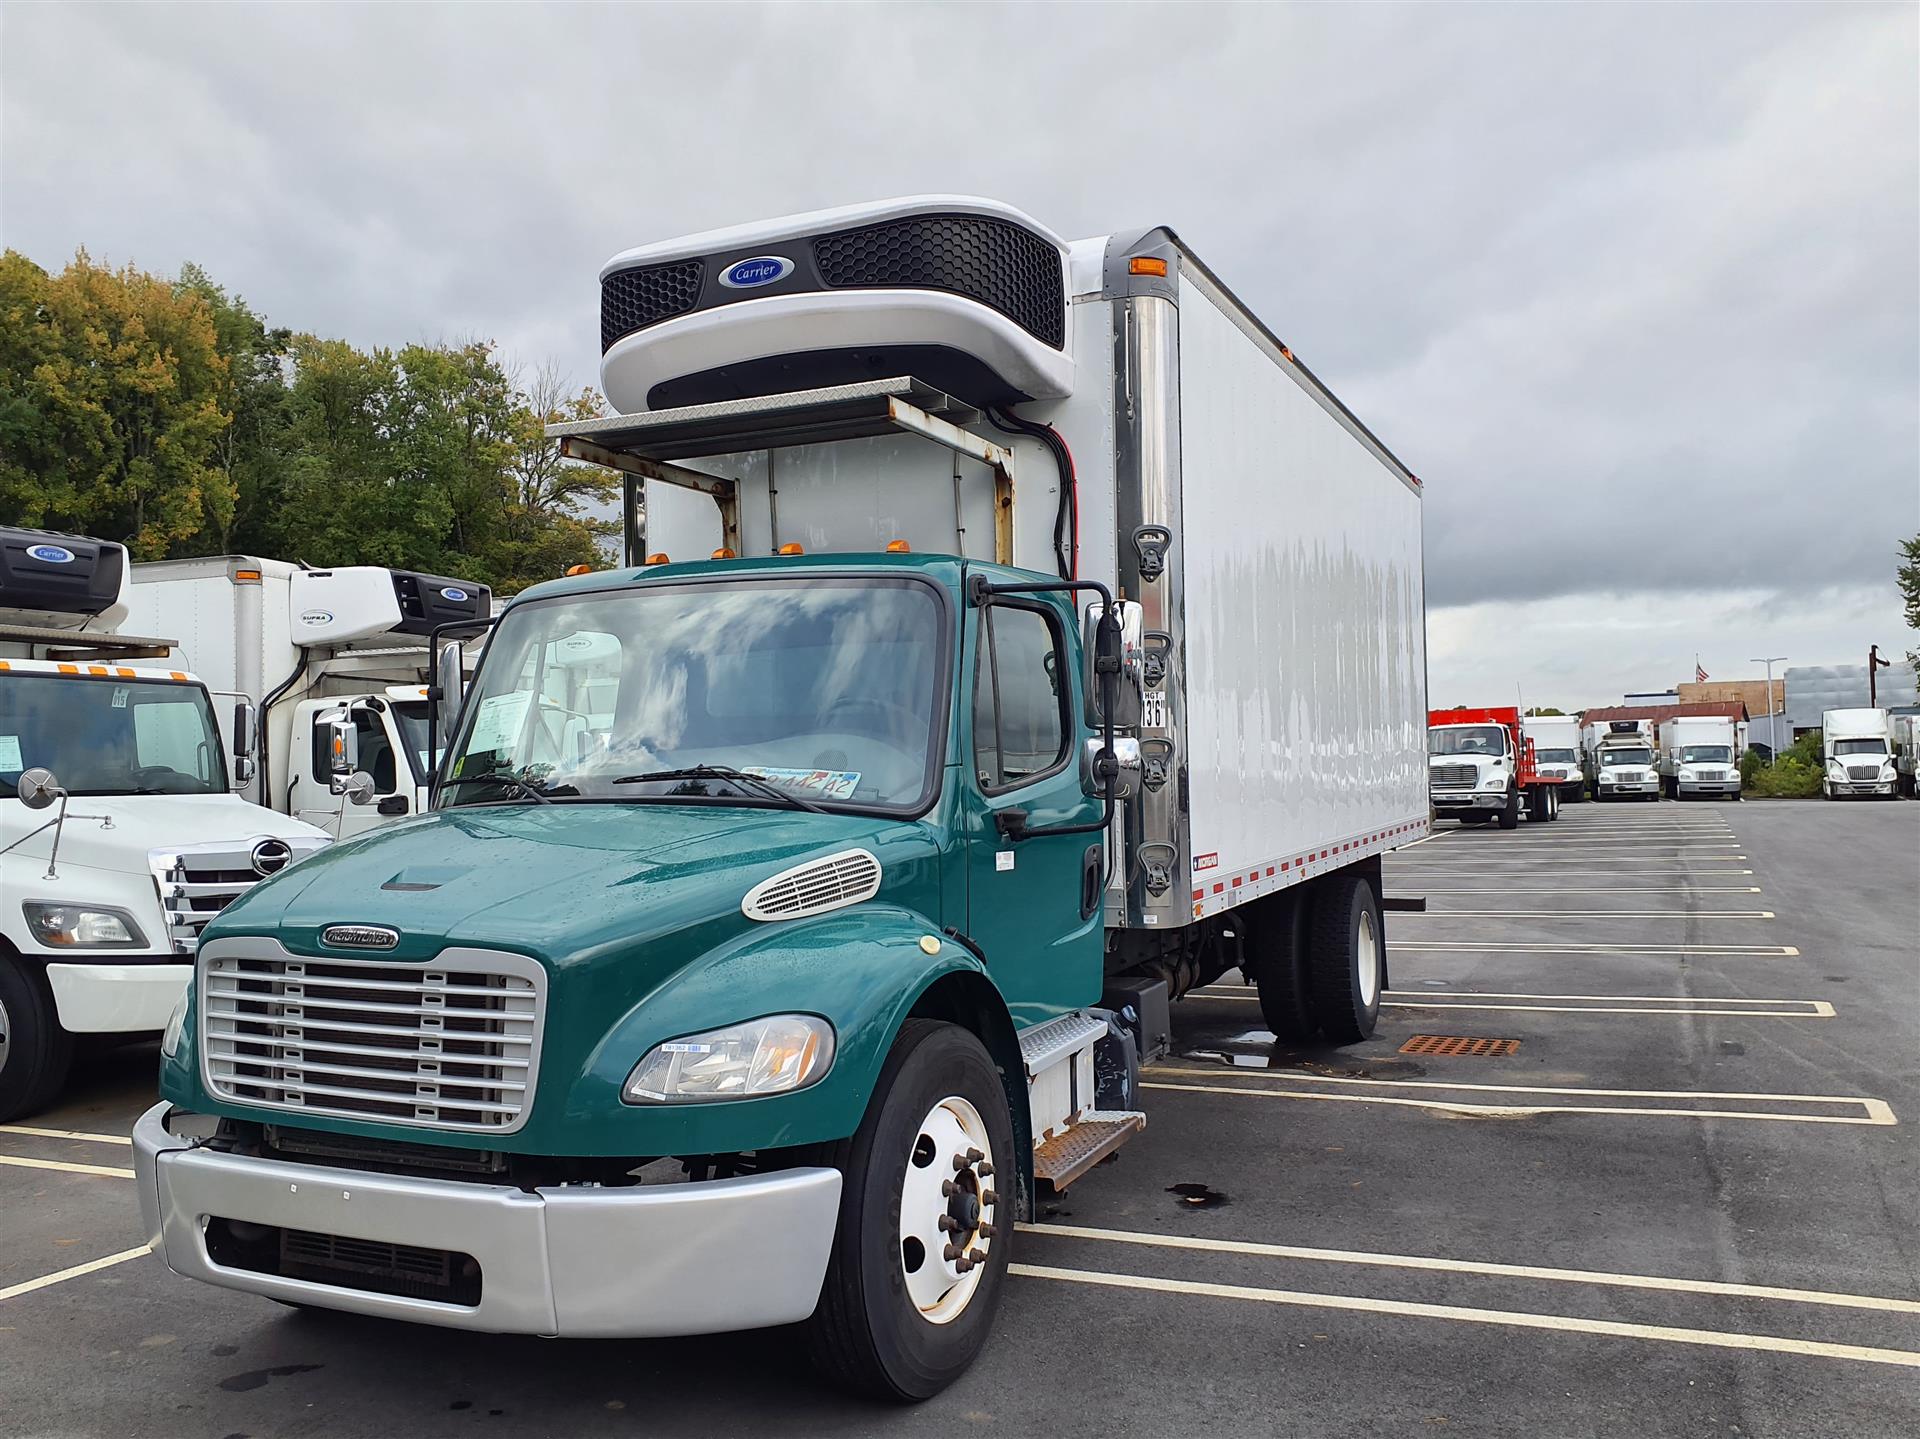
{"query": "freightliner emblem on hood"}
(359, 936)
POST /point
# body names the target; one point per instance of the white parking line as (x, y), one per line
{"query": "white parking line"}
(65, 1134)
(1519, 1319)
(1603, 1004)
(92, 1266)
(1455, 946)
(20, 1161)
(1523, 865)
(1473, 1266)
(1603, 889)
(1874, 1111)
(1688, 914)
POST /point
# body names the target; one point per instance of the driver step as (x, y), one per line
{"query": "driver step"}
(1068, 1155)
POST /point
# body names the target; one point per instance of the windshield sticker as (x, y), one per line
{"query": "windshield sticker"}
(827, 783)
(120, 694)
(10, 753)
(496, 725)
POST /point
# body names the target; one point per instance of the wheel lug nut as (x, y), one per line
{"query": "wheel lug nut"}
(946, 1224)
(987, 1231)
(959, 1162)
(986, 1171)
(987, 1196)
(947, 1187)
(974, 1156)
(950, 1253)
(978, 1256)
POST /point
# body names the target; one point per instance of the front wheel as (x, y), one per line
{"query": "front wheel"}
(35, 1052)
(1510, 816)
(926, 1220)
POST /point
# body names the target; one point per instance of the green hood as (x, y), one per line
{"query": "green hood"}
(564, 883)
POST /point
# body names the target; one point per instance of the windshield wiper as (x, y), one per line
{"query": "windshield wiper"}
(752, 783)
(515, 785)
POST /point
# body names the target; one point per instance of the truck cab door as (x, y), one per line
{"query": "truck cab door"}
(1034, 903)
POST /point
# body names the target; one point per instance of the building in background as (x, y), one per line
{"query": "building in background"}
(1814, 689)
(1752, 694)
(1651, 697)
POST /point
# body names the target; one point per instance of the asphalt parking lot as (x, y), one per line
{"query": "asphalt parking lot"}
(1687, 1202)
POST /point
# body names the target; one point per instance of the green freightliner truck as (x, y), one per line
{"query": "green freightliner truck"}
(787, 920)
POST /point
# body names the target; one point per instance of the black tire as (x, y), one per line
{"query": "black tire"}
(1344, 910)
(1553, 804)
(866, 1333)
(1278, 954)
(35, 1052)
(1510, 816)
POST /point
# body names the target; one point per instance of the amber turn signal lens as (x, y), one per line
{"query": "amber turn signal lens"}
(658, 557)
(1146, 265)
(792, 550)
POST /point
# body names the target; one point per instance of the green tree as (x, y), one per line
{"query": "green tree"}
(113, 393)
(1909, 577)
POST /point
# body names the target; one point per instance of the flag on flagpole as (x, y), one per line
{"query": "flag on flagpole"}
(1699, 675)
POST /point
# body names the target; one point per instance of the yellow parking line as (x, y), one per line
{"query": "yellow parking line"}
(22, 1162)
(65, 1134)
(1474, 1266)
(1519, 1319)
(92, 1266)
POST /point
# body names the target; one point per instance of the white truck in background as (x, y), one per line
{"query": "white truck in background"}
(1857, 745)
(1700, 756)
(1617, 756)
(1556, 753)
(337, 662)
(121, 831)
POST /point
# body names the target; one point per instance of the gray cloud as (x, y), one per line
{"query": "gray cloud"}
(1634, 289)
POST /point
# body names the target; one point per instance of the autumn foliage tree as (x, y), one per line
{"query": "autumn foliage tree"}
(171, 416)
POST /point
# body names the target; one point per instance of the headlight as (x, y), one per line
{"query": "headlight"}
(774, 1055)
(176, 1026)
(69, 926)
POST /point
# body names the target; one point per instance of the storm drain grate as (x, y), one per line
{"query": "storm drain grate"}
(1452, 1044)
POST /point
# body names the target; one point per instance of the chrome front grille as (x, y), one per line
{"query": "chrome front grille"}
(1451, 776)
(1863, 771)
(450, 1044)
(196, 882)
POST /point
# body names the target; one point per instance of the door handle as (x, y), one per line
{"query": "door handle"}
(1091, 873)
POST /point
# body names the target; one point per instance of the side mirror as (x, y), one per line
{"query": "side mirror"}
(357, 787)
(1124, 763)
(245, 740)
(343, 751)
(449, 683)
(38, 788)
(1130, 698)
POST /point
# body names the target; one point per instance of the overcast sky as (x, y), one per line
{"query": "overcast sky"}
(1636, 290)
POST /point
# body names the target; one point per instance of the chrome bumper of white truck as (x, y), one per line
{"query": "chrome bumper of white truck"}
(641, 1262)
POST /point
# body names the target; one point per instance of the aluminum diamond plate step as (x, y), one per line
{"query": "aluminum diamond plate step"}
(1067, 1156)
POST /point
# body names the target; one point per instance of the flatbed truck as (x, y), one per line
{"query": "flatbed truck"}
(1482, 766)
(800, 903)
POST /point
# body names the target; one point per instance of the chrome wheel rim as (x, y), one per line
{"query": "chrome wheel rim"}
(948, 1210)
(1367, 942)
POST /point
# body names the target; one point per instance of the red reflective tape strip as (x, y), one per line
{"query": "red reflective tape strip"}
(1218, 887)
(1236, 881)
(1199, 894)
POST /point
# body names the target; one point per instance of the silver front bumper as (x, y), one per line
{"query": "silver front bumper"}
(579, 1262)
(1467, 799)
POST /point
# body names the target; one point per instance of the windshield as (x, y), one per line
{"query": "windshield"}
(829, 690)
(110, 736)
(1626, 756)
(412, 719)
(1554, 756)
(1706, 754)
(1859, 746)
(1467, 739)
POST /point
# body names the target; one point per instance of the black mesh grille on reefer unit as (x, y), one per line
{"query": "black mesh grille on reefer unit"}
(633, 299)
(999, 264)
